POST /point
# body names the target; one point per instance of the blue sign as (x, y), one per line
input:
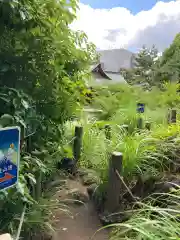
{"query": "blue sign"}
(9, 156)
(140, 107)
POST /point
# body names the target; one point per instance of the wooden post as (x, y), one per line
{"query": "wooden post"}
(148, 126)
(140, 123)
(38, 189)
(108, 131)
(173, 116)
(22, 140)
(77, 144)
(29, 144)
(114, 184)
(168, 117)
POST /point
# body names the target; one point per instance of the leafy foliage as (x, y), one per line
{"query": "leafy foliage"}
(43, 60)
(169, 68)
(43, 64)
(146, 63)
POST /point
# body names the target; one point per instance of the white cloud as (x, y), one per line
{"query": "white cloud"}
(118, 27)
(1, 156)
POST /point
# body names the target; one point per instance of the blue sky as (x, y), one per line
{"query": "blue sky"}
(134, 6)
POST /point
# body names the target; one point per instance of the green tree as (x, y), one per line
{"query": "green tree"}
(41, 55)
(169, 66)
(145, 66)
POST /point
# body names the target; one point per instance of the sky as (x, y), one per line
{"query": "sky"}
(134, 6)
(129, 23)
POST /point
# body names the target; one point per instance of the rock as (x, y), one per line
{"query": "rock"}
(78, 195)
(90, 179)
(66, 164)
(166, 187)
(104, 219)
(107, 218)
(82, 172)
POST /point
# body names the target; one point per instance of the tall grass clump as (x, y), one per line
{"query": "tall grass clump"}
(151, 222)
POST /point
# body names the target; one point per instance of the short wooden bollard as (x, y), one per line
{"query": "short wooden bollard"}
(173, 114)
(148, 126)
(114, 184)
(107, 131)
(29, 144)
(140, 123)
(77, 145)
(38, 188)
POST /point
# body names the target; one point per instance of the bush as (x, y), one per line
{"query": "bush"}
(42, 71)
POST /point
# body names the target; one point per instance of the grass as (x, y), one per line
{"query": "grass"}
(151, 223)
(142, 151)
(138, 149)
(145, 153)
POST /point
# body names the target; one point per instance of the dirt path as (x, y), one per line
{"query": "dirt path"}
(84, 221)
